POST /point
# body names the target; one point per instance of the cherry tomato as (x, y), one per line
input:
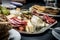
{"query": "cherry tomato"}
(21, 28)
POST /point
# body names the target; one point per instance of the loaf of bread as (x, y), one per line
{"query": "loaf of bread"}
(38, 8)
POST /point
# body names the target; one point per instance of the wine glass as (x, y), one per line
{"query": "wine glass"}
(51, 3)
(6, 2)
(56, 32)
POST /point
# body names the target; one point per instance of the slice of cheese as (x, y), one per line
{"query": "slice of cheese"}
(30, 27)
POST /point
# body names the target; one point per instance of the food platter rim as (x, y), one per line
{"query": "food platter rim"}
(42, 31)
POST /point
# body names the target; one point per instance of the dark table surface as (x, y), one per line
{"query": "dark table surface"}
(47, 35)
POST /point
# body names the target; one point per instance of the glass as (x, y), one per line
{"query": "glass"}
(6, 1)
(56, 32)
(51, 3)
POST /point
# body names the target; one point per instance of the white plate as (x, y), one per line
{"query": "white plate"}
(17, 4)
(8, 5)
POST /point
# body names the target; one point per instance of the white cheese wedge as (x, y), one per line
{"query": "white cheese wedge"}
(30, 27)
(36, 21)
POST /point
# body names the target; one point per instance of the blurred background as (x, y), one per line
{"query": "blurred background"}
(33, 1)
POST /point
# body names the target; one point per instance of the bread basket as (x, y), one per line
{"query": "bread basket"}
(4, 27)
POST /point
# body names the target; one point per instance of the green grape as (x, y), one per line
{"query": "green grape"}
(5, 11)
